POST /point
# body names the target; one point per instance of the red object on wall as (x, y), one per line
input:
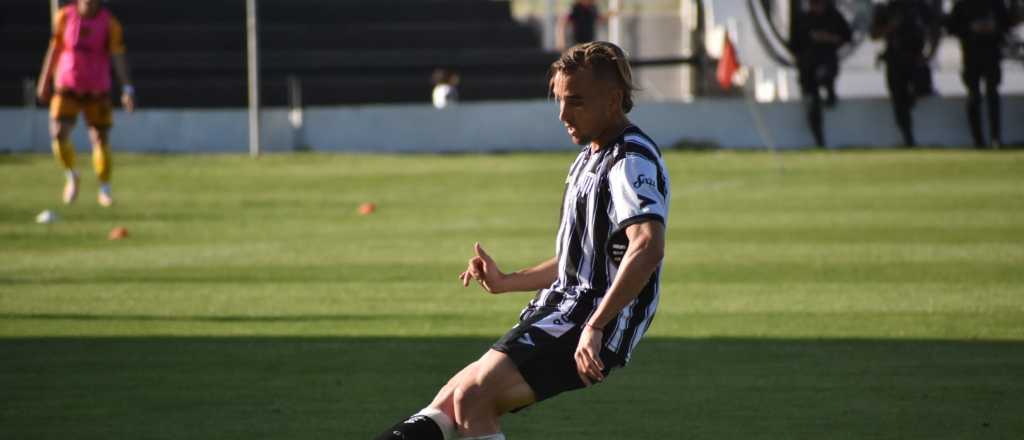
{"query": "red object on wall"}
(728, 64)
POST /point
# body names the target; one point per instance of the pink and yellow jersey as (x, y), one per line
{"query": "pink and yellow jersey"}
(86, 44)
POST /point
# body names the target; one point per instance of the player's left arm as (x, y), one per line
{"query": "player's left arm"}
(44, 86)
(639, 191)
(643, 255)
(117, 50)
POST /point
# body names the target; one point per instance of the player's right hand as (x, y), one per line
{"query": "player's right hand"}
(44, 92)
(484, 270)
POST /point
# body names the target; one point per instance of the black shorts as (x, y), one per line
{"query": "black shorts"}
(543, 346)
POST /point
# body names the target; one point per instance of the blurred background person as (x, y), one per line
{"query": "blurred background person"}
(909, 28)
(86, 38)
(981, 26)
(583, 17)
(446, 88)
(820, 32)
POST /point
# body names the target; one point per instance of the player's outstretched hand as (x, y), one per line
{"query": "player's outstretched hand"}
(484, 270)
(588, 359)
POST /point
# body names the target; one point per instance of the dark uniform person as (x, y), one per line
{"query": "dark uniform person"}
(819, 34)
(583, 17)
(908, 27)
(981, 26)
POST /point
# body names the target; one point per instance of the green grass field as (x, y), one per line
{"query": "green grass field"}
(806, 295)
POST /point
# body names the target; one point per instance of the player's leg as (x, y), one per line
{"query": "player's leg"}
(899, 81)
(471, 402)
(436, 421)
(815, 118)
(972, 84)
(809, 88)
(993, 77)
(427, 424)
(493, 388)
(99, 115)
(63, 112)
(829, 81)
(444, 400)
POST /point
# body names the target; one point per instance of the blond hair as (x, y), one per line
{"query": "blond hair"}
(607, 61)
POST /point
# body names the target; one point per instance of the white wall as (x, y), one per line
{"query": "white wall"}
(522, 125)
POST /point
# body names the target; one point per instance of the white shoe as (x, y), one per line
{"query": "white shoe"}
(71, 188)
(104, 198)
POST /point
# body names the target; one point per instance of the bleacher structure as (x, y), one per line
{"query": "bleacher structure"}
(191, 53)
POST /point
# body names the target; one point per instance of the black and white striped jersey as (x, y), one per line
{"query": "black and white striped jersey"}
(622, 184)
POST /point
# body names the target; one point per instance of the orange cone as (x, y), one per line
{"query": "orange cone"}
(117, 233)
(367, 208)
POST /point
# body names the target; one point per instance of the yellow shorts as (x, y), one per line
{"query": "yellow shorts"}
(97, 109)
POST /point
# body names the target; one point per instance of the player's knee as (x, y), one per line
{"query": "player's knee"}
(60, 128)
(98, 136)
(465, 395)
(444, 399)
(471, 398)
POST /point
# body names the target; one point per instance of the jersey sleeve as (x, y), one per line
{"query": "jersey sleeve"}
(638, 191)
(116, 43)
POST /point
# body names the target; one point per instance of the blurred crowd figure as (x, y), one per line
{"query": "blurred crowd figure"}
(819, 33)
(582, 20)
(982, 27)
(446, 88)
(911, 30)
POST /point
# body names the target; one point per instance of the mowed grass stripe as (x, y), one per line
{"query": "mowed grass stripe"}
(219, 237)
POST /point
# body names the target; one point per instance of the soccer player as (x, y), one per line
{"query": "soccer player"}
(981, 26)
(820, 32)
(596, 297)
(86, 38)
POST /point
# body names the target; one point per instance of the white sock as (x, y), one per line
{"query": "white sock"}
(444, 422)
(498, 436)
(70, 174)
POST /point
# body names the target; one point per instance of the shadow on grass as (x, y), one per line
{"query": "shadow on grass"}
(350, 388)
